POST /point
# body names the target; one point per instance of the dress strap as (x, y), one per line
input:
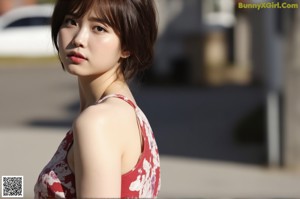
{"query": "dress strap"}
(117, 96)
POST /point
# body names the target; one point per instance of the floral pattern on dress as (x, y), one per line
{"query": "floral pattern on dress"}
(146, 184)
(57, 180)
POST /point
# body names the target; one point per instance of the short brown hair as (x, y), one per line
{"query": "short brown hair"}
(134, 21)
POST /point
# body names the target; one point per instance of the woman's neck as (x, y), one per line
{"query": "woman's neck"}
(92, 88)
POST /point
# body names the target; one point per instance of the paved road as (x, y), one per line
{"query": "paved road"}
(34, 92)
(38, 102)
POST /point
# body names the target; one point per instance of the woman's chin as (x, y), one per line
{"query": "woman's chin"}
(73, 70)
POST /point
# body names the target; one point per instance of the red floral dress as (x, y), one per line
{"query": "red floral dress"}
(58, 181)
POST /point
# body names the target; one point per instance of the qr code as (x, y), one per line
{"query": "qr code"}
(12, 186)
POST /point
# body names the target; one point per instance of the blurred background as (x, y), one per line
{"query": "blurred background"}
(222, 96)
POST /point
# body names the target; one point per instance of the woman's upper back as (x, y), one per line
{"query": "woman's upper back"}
(58, 180)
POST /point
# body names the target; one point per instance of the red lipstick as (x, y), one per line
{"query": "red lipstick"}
(76, 57)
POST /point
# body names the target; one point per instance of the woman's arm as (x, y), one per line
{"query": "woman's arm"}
(97, 154)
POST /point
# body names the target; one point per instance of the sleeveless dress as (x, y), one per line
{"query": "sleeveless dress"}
(57, 180)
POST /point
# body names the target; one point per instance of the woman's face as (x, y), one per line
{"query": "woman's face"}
(87, 46)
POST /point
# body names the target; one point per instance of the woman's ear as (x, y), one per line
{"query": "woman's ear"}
(125, 54)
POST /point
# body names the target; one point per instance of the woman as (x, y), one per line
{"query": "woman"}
(110, 152)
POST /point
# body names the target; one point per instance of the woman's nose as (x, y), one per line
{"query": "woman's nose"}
(81, 37)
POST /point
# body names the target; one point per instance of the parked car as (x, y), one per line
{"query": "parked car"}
(25, 31)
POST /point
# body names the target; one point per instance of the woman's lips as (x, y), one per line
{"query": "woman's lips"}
(76, 58)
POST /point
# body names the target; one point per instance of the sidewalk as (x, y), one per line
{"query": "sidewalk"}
(25, 151)
(192, 178)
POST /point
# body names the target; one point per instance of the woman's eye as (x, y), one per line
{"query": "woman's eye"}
(70, 21)
(99, 29)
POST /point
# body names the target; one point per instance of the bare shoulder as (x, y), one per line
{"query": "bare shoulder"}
(110, 112)
(109, 118)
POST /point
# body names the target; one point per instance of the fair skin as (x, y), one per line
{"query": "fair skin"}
(107, 141)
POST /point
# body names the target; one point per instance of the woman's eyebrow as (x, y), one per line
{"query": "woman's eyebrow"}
(96, 19)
